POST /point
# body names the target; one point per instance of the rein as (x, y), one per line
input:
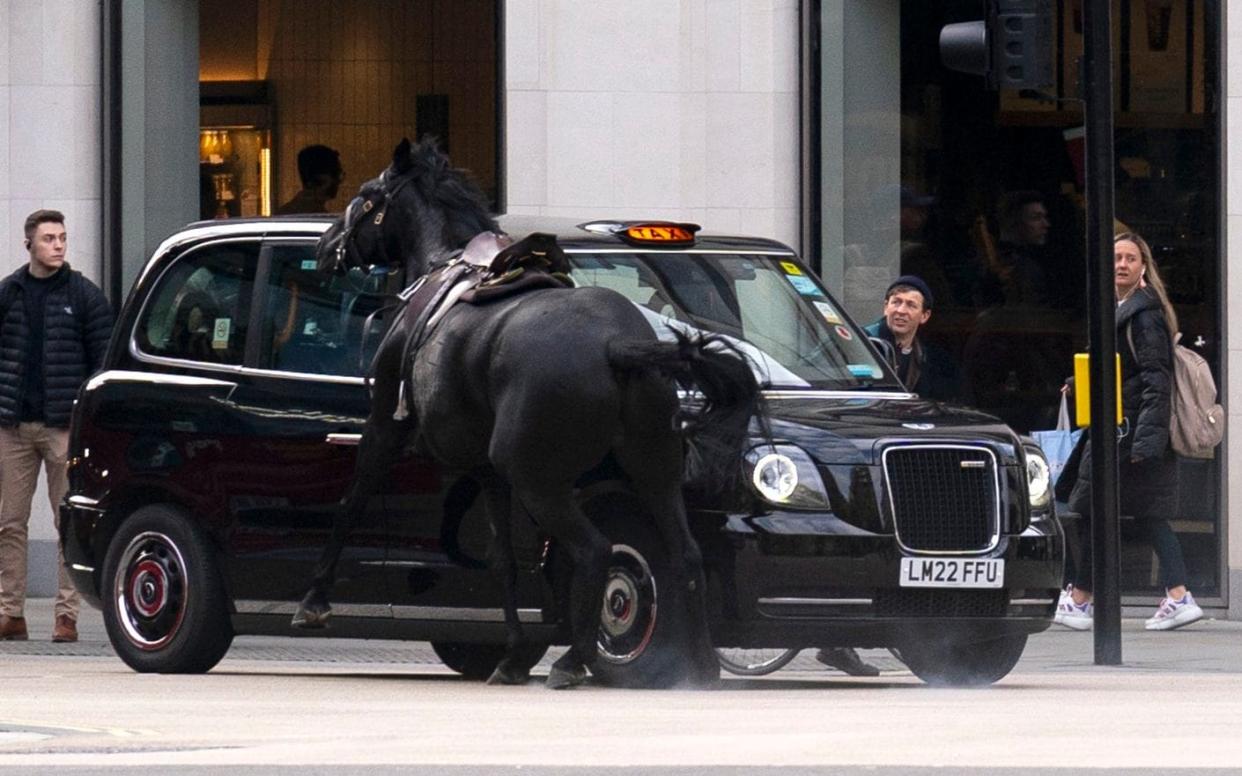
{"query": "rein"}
(402, 299)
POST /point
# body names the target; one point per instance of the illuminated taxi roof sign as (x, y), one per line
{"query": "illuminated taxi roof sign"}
(666, 233)
(660, 233)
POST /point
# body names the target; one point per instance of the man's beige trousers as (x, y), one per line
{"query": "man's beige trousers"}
(22, 449)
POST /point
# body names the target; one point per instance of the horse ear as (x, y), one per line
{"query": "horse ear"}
(401, 154)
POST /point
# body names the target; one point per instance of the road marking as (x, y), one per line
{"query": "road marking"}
(13, 737)
(7, 732)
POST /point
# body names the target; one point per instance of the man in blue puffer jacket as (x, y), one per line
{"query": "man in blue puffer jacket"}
(54, 331)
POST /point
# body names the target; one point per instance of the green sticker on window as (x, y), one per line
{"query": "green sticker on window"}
(309, 264)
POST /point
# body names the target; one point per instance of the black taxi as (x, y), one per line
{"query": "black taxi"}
(207, 457)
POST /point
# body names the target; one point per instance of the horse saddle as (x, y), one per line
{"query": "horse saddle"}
(535, 261)
(491, 266)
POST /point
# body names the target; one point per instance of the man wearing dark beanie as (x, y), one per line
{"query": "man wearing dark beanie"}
(923, 369)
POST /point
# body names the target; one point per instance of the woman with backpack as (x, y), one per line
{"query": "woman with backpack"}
(1147, 467)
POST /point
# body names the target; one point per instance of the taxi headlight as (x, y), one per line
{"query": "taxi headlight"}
(1038, 478)
(784, 475)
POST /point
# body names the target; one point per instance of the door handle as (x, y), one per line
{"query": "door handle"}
(350, 440)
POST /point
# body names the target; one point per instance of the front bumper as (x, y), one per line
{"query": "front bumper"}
(800, 580)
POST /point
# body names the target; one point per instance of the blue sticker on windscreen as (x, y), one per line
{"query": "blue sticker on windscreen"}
(804, 285)
(863, 370)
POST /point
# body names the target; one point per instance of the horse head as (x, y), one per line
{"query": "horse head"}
(414, 215)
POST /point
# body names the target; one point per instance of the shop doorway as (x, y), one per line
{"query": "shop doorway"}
(304, 100)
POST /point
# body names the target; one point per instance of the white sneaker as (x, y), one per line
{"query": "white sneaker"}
(1065, 596)
(1075, 616)
(1174, 614)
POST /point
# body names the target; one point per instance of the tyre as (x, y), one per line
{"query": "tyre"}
(957, 663)
(477, 661)
(164, 604)
(640, 641)
(754, 662)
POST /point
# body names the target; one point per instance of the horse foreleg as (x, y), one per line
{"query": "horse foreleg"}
(381, 441)
(514, 668)
(655, 471)
(589, 551)
(674, 528)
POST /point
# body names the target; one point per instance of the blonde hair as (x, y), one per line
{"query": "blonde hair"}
(1152, 276)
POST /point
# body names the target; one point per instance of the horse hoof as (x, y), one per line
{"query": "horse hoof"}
(504, 675)
(563, 679)
(705, 679)
(309, 620)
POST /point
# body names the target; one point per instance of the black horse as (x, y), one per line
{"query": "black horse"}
(531, 392)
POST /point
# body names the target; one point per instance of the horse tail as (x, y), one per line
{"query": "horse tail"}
(718, 425)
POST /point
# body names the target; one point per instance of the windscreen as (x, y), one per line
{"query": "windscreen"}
(795, 333)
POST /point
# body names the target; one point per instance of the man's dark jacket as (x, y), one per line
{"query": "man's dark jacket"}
(933, 375)
(76, 327)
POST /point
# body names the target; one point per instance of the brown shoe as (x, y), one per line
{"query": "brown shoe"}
(66, 629)
(12, 628)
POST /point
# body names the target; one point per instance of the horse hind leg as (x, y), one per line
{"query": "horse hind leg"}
(381, 442)
(588, 550)
(514, 667)
(655, 466)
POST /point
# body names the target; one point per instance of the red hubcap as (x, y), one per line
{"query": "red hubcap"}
(148, 588)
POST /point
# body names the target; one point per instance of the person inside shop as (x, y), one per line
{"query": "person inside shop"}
(1019, 337)
(1147, 468)
(319, 167)
(917, 257)
(1015, 274)
(55, 325)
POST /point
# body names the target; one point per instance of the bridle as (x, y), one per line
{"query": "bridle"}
(387, 186)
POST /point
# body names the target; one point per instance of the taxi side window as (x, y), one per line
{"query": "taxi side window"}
(201, 309)
(314, 320)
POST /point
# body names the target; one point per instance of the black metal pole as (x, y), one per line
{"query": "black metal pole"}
(1102, 304)
(113, 267)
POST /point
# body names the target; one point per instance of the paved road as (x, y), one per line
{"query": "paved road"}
(374, 707)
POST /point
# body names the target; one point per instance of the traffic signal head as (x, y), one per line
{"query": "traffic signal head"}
(1011, 47)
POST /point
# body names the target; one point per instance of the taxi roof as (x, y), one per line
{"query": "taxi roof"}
(569, 232)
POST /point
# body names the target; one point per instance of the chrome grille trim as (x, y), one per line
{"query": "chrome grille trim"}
(994, 531)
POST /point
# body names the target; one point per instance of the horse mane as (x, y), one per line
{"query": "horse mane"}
(451, 190)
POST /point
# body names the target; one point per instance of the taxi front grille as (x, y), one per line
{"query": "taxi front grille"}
(944, 498)
(940, 603)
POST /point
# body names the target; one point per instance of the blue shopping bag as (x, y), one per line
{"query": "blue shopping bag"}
(1058, 444)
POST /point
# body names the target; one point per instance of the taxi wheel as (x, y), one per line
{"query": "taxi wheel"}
(478, 661)
(164, 603)
(744, 661)
(955, 663)
(640, 641)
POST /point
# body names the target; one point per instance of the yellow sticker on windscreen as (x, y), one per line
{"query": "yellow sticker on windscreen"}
(220, 333)
(791, 268)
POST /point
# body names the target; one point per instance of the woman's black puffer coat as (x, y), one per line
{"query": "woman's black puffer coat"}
(1146, 404)
(1147, 375)
(77, 327)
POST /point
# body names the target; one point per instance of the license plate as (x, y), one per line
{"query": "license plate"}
(952, 572)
